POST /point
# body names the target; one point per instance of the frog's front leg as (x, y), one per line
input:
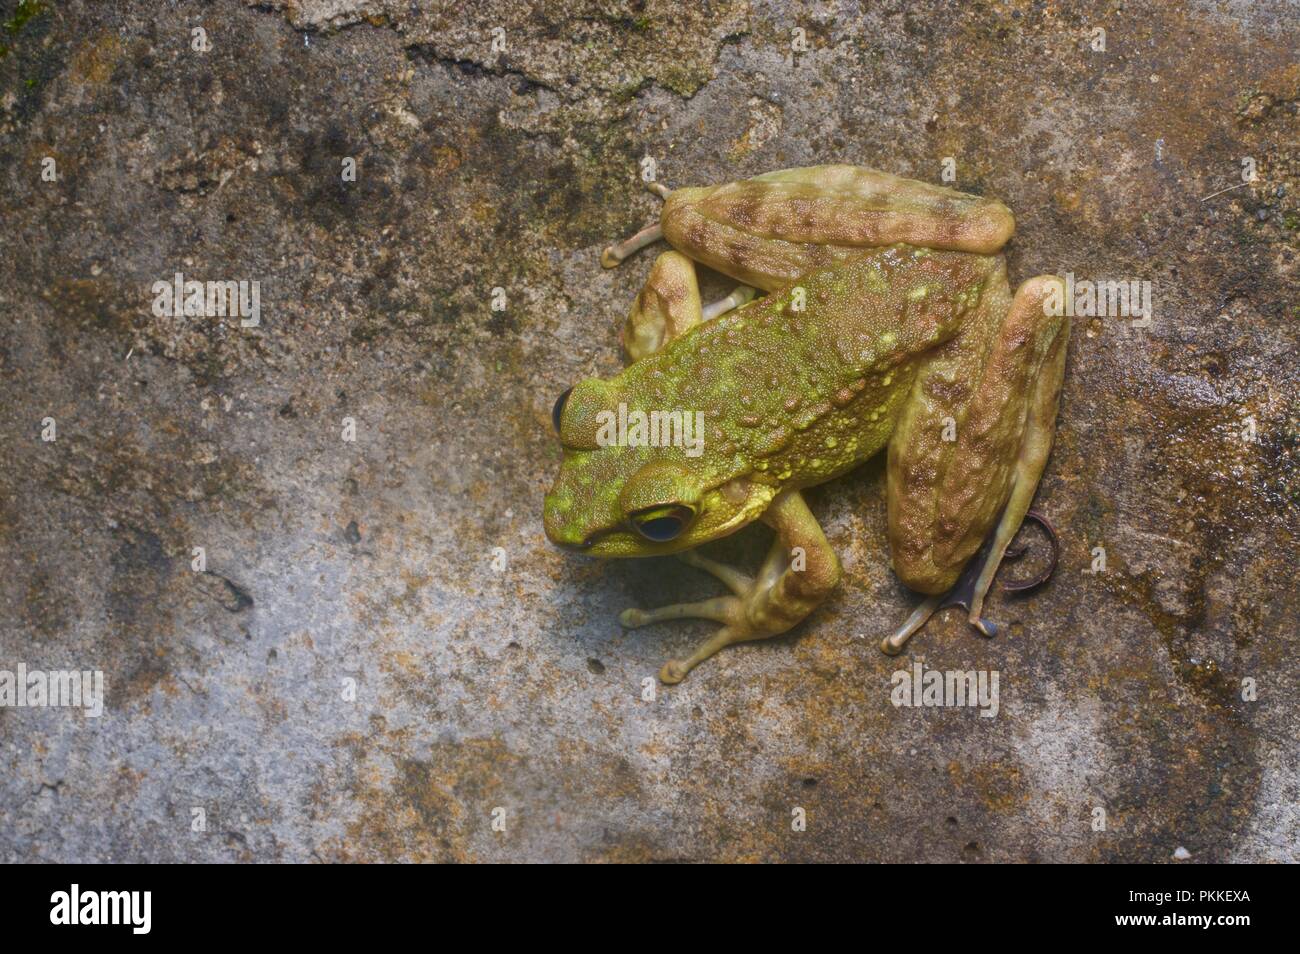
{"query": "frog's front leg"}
(782, 594)
(668, 306)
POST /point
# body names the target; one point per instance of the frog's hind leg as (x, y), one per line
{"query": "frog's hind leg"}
(1040, 429)
(979, 493)
(781, 595)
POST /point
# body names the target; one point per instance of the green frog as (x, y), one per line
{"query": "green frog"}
(873, 312)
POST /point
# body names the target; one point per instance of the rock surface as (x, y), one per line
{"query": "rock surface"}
(374, 563)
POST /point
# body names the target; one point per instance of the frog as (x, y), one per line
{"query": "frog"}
(872, 313)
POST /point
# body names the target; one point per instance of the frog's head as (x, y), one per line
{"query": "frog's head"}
(615, 500)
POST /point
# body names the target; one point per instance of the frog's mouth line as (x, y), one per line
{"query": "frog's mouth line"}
(742, 511)
(647, 548)
(634, 539)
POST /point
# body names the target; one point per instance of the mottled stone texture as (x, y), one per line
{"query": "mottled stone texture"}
(372, 560)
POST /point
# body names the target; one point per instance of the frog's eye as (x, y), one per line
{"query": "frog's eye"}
(557, 412)
(661, 524)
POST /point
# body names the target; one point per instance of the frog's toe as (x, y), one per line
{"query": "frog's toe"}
(673, 672)
(737, 581)
(740, 296)
(893, 644)
(721, 609)
(619, 251)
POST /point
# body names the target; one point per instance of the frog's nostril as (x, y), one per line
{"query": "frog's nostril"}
(557, 412)
(560, 531)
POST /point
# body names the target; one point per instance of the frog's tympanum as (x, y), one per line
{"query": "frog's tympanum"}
(883, 318)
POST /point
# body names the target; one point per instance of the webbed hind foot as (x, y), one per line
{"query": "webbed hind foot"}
(972, 586)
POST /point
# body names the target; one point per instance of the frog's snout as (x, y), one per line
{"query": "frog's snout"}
(559, 531)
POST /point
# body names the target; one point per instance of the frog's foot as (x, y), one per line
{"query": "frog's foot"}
(969, 591)
(619, 251)
(780, 596)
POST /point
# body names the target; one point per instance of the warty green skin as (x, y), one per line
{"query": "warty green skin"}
(791, 398)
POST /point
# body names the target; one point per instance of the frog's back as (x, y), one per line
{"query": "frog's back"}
(806, 382)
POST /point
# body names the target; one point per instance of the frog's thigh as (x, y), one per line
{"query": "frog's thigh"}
(1039, 431)
(771, 230)
(946, 496)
